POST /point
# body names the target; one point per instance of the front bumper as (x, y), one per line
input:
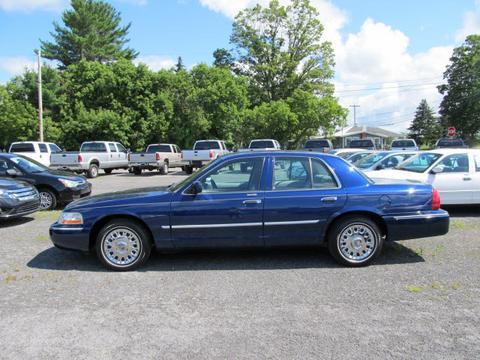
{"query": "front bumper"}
(70, 237)
(71, 194)
(417, 225)
(20, 210)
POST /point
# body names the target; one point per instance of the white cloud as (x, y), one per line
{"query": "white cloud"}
(156, 62)
(29, 5)
(16, 65)
(471, 23)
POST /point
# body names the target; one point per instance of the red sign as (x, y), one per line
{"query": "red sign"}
(451, 131)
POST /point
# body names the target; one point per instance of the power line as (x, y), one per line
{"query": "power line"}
(388, 88)
(354, 106)
(392, 82)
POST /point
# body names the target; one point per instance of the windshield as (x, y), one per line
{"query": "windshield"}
(345, 154)
(419, 163)
(206, 145)
(403, 143)
(357, 157)
(262, 144)
(315, 144)
(27, 165)
(158, 148)
(370, 160)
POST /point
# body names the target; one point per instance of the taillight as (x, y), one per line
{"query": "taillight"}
(211, 154)
(157, 156)
(435, 199)
(80, 158)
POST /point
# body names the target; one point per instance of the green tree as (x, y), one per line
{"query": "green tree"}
(460, 106)
(280, 49)
(179, 65)
(223, 58)
(425, 128)
(91, 31)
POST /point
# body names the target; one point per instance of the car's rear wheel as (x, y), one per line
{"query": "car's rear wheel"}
(164, 169)
(123, 245)
(137, 171)
(92, 171)
(355, 241)
(48, 199)
(188, 169)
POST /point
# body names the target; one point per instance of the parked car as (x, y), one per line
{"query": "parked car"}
(159, 157)
(356, 156)
(366, 144)
(383, 160)
(204, 151)
(35, 150)
(284, 199)
(263, 145)
(17, 198)
(93, 155)
(318, 145)
(454, 172)
(404, 144)
(450, 143)
(55, 187)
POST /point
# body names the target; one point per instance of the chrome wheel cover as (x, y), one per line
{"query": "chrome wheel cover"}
(357, 242)
(46, 200)
(94, 171)
(121, 246)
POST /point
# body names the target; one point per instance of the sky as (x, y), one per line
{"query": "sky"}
(389, 54)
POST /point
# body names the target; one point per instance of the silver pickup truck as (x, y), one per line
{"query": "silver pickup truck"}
(159, 157)
(93, 155)
(203, 152)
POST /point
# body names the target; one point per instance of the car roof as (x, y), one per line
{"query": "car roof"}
(276, 153)
(452, 151)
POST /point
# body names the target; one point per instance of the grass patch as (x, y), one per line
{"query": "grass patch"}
(414, 289)
(10, 278)
(455, 285)
(419, 251)
(438, 249)
(48, 215)
(436, 285)
(42, 238)
(458, 224)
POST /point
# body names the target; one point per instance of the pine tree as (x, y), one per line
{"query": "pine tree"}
(425, 128)
(91, 32)
(179, 66)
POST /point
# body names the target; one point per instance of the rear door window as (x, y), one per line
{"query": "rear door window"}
(112, 147)
(25, 148)
(54, 149)
(291, 173)
(322, 176)
(43, 148)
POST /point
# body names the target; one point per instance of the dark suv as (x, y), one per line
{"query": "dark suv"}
(17, 199)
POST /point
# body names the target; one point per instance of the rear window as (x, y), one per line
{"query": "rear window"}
(158, 148)
(450, 142)
(261, 144)
(93, 147)
(361, 144)
(403, 143)
(206, 145)
(26, 148)
(315, 144)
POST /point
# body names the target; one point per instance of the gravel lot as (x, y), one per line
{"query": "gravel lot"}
(420, 299)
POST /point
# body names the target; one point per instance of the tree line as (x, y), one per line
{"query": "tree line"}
(274, 82)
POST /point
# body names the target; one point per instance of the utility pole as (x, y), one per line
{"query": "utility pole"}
(354, 106)
(40, 99)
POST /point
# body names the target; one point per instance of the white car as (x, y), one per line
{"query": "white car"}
(35, 150)
(455, 173)
(381, 160)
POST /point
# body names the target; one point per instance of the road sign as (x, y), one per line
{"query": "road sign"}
(451, 131)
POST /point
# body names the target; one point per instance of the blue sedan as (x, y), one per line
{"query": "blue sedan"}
(254, 200)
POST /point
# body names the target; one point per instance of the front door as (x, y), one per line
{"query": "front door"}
(304, 194)
(227, 213)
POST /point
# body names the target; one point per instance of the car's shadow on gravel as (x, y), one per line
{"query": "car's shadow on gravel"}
(15, 222)
(463, 210)
(55, 259)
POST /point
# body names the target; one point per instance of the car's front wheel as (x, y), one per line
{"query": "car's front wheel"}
(48, 199)
(355, 241)
(123, 245)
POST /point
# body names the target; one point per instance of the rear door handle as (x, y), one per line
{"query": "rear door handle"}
(329, 199)
(253, 201)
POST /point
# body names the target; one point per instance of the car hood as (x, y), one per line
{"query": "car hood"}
(62, 174)
(396, 175)
(120, 198)
(7, 184)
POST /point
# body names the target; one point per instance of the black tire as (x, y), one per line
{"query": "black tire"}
(164, 169)
(342, 236)
(189, 169)
(92, 171)
(143, 248)
(137, 171)
(48, 199)
(108, 171)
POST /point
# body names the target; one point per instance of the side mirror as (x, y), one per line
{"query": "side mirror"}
(196, 188)
(12, 172)
(437, 170)
(380, 167)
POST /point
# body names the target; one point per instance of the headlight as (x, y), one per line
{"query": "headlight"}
(70, 218)
(7, 194)
(69, 183)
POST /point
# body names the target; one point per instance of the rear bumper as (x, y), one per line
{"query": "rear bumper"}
(418, 225)
(70, 238)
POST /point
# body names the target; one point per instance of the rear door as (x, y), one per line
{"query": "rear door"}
(43, 154)
(475, 175)
(113, 160)
(304, 193)
(122, 156)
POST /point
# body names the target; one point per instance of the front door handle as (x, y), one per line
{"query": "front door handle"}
(253, 201)
(329, 199)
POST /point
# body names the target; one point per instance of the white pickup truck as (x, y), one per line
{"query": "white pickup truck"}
(159, 157)
(35, 150)
(203, 152)
(262, 145)
(93, 155)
